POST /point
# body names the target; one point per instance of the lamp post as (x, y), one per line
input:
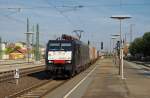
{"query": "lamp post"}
(120, 18)
(113, 41)
(113, 52)
(114, 37)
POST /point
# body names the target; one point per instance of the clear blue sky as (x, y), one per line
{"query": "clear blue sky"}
(57, 17)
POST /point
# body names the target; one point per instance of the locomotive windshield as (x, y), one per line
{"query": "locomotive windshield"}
(66, 46)
(60, 46)
(54, 46)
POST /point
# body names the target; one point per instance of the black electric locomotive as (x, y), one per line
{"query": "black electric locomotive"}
(66, 56)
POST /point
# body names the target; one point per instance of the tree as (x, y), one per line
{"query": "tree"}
(141, 45)
(11, 49)
(8, 50)
(137, 46)
(146, 39)
(17, 47)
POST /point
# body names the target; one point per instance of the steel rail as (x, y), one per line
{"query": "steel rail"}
(38, 90)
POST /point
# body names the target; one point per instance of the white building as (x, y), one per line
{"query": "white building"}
(3, 48)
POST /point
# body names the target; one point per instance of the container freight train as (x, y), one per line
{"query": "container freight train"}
(68, 56)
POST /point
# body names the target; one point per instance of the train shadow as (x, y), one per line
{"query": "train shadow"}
(42, 75)
(60, 78)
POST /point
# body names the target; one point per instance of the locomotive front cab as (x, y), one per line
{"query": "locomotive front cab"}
(59, 53)
(59, 57)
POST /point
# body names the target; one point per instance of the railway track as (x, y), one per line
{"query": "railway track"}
(7, 75)
(7, 62)
(13, 62)
(142, 63)
(38, 90)
(41, 89)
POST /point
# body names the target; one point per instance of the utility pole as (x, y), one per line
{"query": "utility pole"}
(28, 41)
(0, 48)
(110, 47)
(37, 54)
(27, 25)
(33, 34)
(33, 51)
(131, 31)
(125, 39)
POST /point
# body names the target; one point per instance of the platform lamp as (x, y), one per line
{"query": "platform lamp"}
(113, 42)
(120, 18)
(113, 38)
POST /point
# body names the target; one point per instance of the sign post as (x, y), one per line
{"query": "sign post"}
(16, 75)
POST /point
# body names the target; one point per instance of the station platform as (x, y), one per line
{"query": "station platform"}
(106, 82)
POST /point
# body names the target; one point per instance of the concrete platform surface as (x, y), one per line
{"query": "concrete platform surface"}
(107, 83)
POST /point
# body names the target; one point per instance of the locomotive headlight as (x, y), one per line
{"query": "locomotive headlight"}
(68, 61)
(50, 61)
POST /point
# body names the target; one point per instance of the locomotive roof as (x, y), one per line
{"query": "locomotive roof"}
(72, 41)
(76, 41)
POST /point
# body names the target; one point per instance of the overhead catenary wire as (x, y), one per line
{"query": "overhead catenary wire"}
(66, 17)
(121, 4)
(79, 6)
(14, 19)
(8, 16)
(61, 13)
(40, 7)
